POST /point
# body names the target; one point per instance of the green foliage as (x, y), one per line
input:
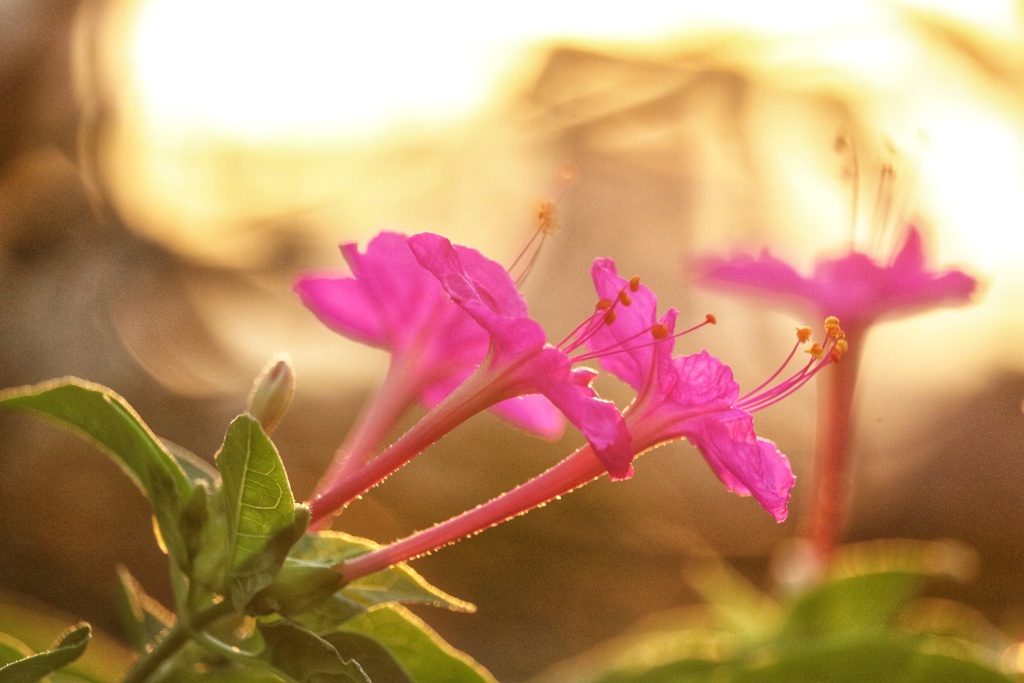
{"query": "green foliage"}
(395, 584)
(257, 598)
(261, 519)
(104, 417)
(69, 647)
(12, 649)
(306, 657)
(864, 622)
(855, 657)
(144, 618)
(417, 647)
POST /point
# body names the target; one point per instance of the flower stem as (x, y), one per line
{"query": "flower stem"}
(832, 449)
(471, 397)
(576, 470)
(375, 419)
(174, 638)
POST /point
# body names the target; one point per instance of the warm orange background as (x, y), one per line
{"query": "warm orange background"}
(166, 168)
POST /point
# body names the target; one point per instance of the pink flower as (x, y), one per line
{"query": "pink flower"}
(693, 397)
(855, 288)
(520, 360)
(517, 365)
(860, 291)
(392, 303)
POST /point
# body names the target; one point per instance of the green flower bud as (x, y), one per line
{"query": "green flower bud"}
(271, 393)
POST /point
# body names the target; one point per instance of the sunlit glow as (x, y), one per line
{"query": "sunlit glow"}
(315, 67)
(236, 119)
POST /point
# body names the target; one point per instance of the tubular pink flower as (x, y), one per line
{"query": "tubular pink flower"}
(693, 397)
(392, 303)
(520, 360)
(519, 363)
(860, 290)
(855, 288)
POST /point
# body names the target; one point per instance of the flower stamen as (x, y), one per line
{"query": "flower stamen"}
(547, 222)
(659, 332)
(822, 354)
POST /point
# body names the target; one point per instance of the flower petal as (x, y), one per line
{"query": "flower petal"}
(747, 465)
(626, 342)
(344, 306)
(854, 287)
(483, 289)
(392, 302)
(520, 361)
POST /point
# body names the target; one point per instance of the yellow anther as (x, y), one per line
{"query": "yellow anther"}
(832, 327)
(624, 298)
(634, 283)
(659, 330)
(803, 334)
(603, 305)
(841, 347)
(547, 217)
(816, 350)
(609, 317)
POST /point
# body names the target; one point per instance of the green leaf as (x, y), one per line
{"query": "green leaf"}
(417, 647)
(860, 657)
(260, 508)
(195, 468)
(305, 656)
(685, 644)
(374, 659)
(682, 671)
(67, 649)
(12, 649)
(738, 605)
(869, 601)
(101, 415)
(143, 617)
(300, 587)
(399, 583)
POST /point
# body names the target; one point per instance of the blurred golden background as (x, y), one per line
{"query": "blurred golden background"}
(167, 168)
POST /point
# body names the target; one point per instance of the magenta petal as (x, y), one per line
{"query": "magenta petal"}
(483, 289)
(342, 305)
(701, 381)
(765, 274)
(549, 371)
(533, 413)
(626, 342)
(390, 301)
(854, 287)
(910, 257)
(746, 464)
(520, 360)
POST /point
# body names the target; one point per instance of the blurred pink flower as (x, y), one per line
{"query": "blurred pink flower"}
(860, 291)
(520, 360)
(855, 288)
(693, 397)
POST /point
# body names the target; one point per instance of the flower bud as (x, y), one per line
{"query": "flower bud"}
(271, 393)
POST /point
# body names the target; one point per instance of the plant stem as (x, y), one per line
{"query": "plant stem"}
(832, 452)
(175, 637)
(472, 396)
(376, 418)
(576, 470)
